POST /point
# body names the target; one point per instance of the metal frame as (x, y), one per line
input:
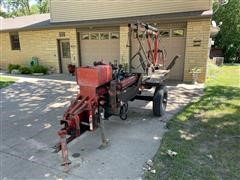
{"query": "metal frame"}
(104, 93)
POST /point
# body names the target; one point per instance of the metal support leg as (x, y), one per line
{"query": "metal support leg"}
(64, 148)
(105, 141)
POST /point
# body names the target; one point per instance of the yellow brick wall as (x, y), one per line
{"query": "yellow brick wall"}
(43, 44)
(39, 43)
(124, 49)
(197, 56)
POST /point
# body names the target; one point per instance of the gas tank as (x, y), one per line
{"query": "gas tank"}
(93, 76)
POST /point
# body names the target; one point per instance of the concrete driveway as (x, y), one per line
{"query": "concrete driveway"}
(30, 114)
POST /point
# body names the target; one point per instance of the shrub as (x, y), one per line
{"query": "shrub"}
(25, 70)
(39, 69)
(13, 66)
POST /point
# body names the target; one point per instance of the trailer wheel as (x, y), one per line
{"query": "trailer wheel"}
(160, 101)
(123, 111)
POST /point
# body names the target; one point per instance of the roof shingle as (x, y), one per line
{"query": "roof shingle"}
(24, 22)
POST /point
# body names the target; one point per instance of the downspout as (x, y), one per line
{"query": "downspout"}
(129, 45)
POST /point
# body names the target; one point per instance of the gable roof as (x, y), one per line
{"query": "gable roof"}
(16, 23)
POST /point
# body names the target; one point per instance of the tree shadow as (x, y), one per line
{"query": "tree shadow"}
(206, 136)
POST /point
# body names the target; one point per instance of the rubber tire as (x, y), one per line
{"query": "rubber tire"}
(160, 101)
(123, 112)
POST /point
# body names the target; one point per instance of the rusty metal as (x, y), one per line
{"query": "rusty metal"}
(105, 90)
(105, 141)
(125, 83)
(153, 57)
(63, 142)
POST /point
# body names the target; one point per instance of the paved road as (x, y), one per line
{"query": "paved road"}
(30, 113)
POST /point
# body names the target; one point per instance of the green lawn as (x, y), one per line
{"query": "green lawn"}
(6, 81)
(206, 135)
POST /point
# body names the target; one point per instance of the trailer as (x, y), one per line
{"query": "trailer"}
(106, 89)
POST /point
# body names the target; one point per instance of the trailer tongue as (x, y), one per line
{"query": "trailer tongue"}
(105, 90)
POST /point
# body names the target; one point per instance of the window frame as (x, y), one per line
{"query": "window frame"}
(112, 36)
(13, 48)
(68, 50)
(82, 34)
(178, 29)
(97, 36)
(165, 30)
(102, 33)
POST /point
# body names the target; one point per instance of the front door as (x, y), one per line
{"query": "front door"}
(65, 55)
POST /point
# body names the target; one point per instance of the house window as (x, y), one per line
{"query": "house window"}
(84, 36)
(104, 36)
(164, 33)
(66, 50)
(15, 42)
(114, 35)
(94, 36)
(178, 33)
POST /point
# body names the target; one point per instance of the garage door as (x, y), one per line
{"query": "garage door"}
(99, 46)
(173, 40)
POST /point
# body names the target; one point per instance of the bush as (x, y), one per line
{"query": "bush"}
(13, 66)
(39, 69)
(25, 70)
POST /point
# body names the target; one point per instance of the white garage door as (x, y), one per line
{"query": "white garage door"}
(99, 46)
(173, 40)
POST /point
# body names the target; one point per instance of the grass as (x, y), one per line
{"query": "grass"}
(6, 81)
(206, 134)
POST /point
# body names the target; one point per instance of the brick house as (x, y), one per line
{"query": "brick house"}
(81, 32)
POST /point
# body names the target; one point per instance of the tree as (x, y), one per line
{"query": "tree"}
(42, 6)
(23, 8)
(3, 14)
(229, 35)
(17, 7)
